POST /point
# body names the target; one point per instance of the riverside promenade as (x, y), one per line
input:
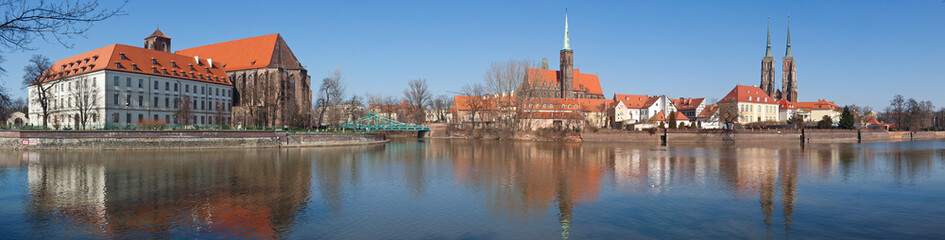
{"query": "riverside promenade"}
(183, 139)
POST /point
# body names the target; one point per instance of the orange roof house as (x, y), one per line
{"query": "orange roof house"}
(708, 111)
(818, 105)
(124, 58)
(632, 101)
(248, 53)
(582, 82)
(683, 104)
(661, 117)
(752, 94)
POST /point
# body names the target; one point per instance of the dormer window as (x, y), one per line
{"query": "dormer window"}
(174, 64)
(192, 67)
(208, 70)
(164, 70)
(192, 75)
(86, 61)
(123, 57)
(63, 67)
(154, 61)
(94, 58)
(71, 64)
(154, 70)
(175, 73)
(135, 67)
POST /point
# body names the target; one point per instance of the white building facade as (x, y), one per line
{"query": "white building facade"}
(119, 86)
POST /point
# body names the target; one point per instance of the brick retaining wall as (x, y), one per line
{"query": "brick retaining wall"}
(758, 136)
(176, 139)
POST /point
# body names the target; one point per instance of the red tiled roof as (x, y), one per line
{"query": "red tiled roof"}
(818, 105)
(587, 82)
(870, 120)
(687, 103)
(742, 93)
(785, 104)
(157, 33)
(631, 101)
(650, 101)
(247, 53)
(708, 111)
(660, 117)
(137, 60)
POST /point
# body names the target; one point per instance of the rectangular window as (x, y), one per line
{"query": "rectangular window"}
(141, 101)
(176, 102)
(128, 118)
(195, 119)
(156, 117)
(116, 100)
(115, 118)
(203, 120)
(175, 87)
(116, 82)
(140, 83)
(167, 102)
(186, 88)
(167, 86)
(140, 117)
(156, 84)
(128, 101)
(156, 103)
(167, 118)
(128, 82)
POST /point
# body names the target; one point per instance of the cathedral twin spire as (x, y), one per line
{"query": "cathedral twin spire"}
(788, 89)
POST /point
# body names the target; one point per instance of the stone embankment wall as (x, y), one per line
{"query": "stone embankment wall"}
(758, 136)
(175, 139)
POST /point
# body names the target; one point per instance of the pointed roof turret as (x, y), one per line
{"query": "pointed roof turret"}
(567, 42)
(157, 33)
(768, 47)
(787, 53)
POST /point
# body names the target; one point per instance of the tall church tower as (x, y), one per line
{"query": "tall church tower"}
(158, 41)
(767, 68)
(566, 78)
(789, 71)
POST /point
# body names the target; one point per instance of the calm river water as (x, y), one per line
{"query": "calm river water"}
(459, 189)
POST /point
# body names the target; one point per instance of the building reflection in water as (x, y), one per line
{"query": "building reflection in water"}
(263, 193)
(254, 194)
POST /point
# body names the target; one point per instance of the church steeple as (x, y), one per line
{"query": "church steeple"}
(768, 47)
(787, 53)
(567, 42)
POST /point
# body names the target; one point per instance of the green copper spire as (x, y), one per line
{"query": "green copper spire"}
(567, 42)
(768, 47)
(787, 52)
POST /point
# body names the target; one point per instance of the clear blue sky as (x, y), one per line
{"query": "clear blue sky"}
(861, 52)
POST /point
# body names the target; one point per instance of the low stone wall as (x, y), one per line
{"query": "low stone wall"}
(336, 139)
(621, 136)
(758, 136)
(175, 139)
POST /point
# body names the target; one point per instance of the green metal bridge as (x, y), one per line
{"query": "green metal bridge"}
(373, 122)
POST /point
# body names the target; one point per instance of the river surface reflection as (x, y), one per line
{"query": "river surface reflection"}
(460, 189)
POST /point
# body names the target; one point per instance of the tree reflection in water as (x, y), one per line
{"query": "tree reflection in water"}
(333, 192)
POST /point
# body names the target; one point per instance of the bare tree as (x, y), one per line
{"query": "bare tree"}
(25, 20)
(474, 100)
(601, 111)
(42, 87)
(503, 80)
(440, 106)
(85, 97)
(418, 97)
(728, 114)
(331, 92)
(185, 112)
(218, 112)
(918, 115)
(896, 111)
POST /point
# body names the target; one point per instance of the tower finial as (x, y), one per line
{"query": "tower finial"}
(567, 42)
(768, 46)
(787, 52)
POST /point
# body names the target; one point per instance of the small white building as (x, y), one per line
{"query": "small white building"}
(121, 85)
(636, 109)
(788, 109)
